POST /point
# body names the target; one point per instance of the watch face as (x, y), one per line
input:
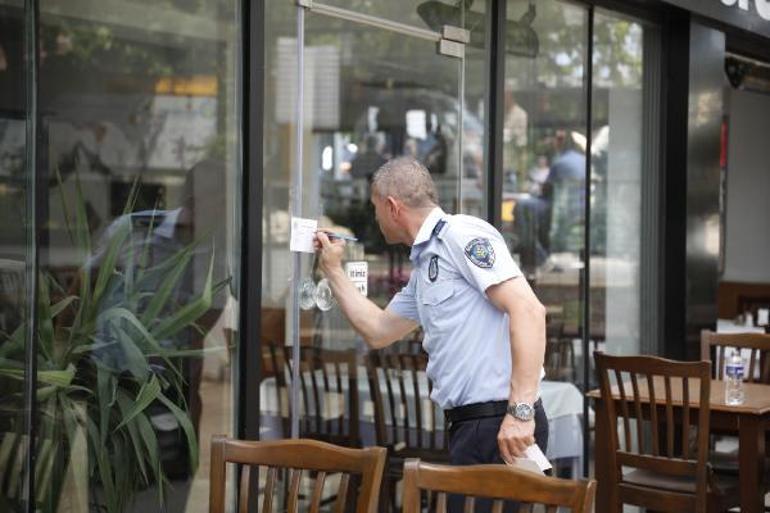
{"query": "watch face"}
(524, 411)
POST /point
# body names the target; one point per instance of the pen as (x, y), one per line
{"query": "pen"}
(341, 236)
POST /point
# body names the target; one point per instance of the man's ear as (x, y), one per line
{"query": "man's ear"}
(393, 205)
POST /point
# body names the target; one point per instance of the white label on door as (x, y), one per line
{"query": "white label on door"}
(302, 234)
(358, 272)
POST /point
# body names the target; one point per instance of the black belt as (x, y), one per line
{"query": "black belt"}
(478, 411)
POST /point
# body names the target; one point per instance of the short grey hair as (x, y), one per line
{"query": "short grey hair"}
(407, 180)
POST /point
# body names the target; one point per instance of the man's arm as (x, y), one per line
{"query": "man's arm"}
(378, 327)
(527, 328)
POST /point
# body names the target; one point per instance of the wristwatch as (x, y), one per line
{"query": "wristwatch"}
(521, 411)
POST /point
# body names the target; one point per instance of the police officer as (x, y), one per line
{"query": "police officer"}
(484, 328)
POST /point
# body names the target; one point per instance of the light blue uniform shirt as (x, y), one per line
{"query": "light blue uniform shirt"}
(455, 258)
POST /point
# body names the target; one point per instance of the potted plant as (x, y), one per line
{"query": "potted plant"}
(106, 358)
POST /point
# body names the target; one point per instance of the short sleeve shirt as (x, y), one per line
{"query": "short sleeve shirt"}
(455, 259)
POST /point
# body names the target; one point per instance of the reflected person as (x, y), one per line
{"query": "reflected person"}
(368, 160)
(484, 328)
(565, 192)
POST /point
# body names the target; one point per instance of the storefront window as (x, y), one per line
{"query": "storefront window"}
(544, 165)
(139, 149)
(548, 191)
(15, 256)
(617, 168)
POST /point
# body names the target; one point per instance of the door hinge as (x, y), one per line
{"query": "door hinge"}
(453, 41)
(457, 34)
(451, 48)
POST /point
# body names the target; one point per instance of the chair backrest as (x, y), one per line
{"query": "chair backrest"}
(640, 381)
(274, 367)
(404, 415)
(750, 303)
(497, 482)
(754, 346)
(328, 379)
(296, 456)
(559, 361)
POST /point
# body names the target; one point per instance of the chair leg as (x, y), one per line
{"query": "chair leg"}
(393, 504)
(384, 501)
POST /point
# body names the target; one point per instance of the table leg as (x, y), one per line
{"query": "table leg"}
(751, 459)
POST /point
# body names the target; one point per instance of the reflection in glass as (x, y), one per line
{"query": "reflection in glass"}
(617, 158)
(15, 256)
(543, 193)
(423, 14)
(371, 95)
(543, 199)
(140, 254)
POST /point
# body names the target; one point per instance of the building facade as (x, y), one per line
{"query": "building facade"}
(155, 156)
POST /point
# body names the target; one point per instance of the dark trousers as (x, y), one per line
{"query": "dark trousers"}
(474, 441)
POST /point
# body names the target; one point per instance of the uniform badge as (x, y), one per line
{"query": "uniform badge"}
(480, 252)
(433, 268)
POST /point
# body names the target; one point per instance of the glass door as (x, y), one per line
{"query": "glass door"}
(371, 89)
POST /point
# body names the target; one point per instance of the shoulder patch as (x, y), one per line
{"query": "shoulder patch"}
(439, 226)
(480, 252)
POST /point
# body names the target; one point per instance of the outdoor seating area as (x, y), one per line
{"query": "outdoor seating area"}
(663, 436)
(660, 424)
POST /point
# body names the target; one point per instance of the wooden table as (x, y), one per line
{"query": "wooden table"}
(749, 421)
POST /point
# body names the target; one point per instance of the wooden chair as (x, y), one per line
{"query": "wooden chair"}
(714, 347)
(657, 469)
(497, 482)
(400, 393)
(748, 303)
(274, 367)
(329, 403)
(296, 456)
(559, 361)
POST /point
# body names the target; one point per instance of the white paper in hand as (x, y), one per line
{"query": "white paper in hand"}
(302, 234)
(525, 464)
(534, 453)
(533, 461)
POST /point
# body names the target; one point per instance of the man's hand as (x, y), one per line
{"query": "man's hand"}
(514, 437)
(329, 253)
(378, 327)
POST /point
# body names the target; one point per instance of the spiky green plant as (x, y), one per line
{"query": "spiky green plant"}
(105, 354)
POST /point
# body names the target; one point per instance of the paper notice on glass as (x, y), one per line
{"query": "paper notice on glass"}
(302, 234)
(358, 272)
(763, 316)
(533, 461)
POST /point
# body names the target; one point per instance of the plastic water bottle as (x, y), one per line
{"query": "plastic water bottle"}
(734, 379)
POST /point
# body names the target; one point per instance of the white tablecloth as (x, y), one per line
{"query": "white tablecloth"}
(730, 326)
